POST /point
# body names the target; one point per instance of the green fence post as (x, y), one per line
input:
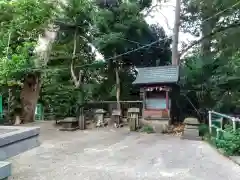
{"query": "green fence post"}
(39, 112)
(1, 109)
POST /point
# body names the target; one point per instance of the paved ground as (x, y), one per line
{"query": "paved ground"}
(119, 155)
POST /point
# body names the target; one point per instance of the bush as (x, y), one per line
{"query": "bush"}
(203, 130)
(147, 129)
(230, 142)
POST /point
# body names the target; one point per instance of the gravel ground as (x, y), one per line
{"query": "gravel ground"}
(110, 154)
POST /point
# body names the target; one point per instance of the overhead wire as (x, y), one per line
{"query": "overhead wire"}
(216, 14)
(139, 48)
(220, 12)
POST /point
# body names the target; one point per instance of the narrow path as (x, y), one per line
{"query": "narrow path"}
(107, 154)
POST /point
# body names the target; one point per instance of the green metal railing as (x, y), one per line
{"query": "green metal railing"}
(39, 114)
(216, 123)
(1, 109)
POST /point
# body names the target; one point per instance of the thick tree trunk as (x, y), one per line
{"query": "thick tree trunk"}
(29, 96)
(175, 54)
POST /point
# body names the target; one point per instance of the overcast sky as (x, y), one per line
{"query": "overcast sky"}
(165, 16)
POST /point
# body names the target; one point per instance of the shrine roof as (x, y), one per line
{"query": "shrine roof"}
(157, 75)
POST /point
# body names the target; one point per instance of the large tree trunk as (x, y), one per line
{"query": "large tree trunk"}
(29, 96)
(175, 54)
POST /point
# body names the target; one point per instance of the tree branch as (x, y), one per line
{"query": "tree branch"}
(150, 10)
(75, 79)
(221, 29)
(166, 20)
(8, 45)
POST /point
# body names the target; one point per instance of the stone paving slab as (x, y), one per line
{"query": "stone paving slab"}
(5, 170)
(3, 131)
(116, 154)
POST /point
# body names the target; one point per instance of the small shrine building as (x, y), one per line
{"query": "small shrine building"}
(159, 90)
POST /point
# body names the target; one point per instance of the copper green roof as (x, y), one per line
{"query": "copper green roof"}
(159, 74)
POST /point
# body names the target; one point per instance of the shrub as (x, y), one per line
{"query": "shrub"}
(203, 130)
(147, 129)
(229, 142)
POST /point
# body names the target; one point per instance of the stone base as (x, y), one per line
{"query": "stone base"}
(191, 133)
(193, 138)
(69, 124)
(159, 126)
(18, 141)
(13, 141)
(69, 129)
(18, 147)
(5, 170)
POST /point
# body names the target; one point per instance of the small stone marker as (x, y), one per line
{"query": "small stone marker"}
(191, 131)
(133, 118)
(81, 121)
(100, 117)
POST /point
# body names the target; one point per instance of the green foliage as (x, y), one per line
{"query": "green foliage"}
(60, 95)
(21, 24)
(115, 25)
(147, 129)
(230, 143)
(110, 29)
(203, 130)
(215, 82)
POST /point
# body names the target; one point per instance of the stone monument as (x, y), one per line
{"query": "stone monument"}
(100, 117)
(116, 118)
(133, 117)
(191, 129)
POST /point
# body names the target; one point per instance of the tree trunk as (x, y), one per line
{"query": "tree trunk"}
(29, 96)
(175, 54)
(9, 104)
(118, 88)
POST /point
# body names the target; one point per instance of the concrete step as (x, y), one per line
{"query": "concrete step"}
(193, 138)
(192, 132)
(5, 170)
(191, 127)
(17, 141)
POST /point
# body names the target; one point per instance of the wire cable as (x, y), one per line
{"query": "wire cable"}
(141, 47)
(220, 12)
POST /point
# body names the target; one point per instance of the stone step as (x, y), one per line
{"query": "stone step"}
(191, 132)
(5, 170)
(191, 127)
(194, 138)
